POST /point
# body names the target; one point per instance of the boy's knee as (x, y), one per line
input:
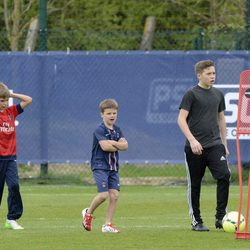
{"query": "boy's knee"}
(14, 187)
(103, 196)
(227, 176)
(114, 195)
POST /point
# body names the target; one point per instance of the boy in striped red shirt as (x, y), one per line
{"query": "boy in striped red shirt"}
(8, 165)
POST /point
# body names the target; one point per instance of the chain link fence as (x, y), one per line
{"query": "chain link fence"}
(144, 173)
(131, 174)
(80, 40)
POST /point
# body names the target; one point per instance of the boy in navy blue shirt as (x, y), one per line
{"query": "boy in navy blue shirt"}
(108, 139)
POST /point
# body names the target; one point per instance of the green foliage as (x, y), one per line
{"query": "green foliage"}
(119, 25)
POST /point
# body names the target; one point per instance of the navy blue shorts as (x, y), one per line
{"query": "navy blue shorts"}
(106, 179)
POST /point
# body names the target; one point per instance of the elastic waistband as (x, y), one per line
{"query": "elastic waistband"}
(8, 157)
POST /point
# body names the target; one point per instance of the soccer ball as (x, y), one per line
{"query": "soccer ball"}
(230, 220)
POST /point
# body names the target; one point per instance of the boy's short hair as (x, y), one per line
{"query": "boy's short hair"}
(108, 104)
(4, 91)
(201, 65)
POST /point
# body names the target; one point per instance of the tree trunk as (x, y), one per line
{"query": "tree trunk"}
(15, 35)
(31, 38)
(148, 34)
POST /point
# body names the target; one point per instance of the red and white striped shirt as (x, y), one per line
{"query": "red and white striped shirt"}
(8, 131)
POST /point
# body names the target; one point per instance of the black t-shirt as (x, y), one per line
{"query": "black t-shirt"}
(203, 106)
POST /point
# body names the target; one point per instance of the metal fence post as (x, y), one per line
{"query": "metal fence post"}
(43, 47)
(43, 25)
(247, 25)
(198, 41)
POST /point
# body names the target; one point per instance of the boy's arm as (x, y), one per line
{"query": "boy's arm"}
(122, 144)
(182, 122)
(112, 146)
(106, 145)
(25, 100)
(223, 130)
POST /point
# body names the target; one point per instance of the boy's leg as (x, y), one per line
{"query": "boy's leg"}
(114, 188)
(3, 167)
(220, 171)
(97, 201)
(195, 167)
(15, 205)
(113, 198)
(101, 179)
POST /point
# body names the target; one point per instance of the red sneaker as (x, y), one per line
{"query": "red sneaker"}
(86, 219)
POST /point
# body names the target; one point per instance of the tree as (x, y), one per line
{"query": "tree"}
(17, 16)
(116, 24)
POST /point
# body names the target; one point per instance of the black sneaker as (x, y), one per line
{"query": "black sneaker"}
(200, 227)
(218, 224)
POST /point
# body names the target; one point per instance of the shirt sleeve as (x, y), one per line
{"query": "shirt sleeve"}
(120, 134)
(19, 108)
(100, 134)
(15, 110)
(222, 105)
(187, 101)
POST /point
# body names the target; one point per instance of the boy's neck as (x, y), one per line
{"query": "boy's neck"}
(109, 126)
(204, 86)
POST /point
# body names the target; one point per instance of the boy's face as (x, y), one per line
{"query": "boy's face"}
(109, 117)
(207, 77)
(3, 103)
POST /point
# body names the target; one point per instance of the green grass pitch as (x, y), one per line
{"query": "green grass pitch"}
(149, 218)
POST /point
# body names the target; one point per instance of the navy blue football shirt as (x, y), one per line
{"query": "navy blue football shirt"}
(102, 159)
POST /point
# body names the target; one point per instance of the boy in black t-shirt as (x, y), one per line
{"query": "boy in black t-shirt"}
(202, 121)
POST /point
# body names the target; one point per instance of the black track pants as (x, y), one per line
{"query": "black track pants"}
(215, 159)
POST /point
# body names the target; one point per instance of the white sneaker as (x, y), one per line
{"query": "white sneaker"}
(109, 228)
(12, 224)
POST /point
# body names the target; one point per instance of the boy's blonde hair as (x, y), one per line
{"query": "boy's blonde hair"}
(4, 91)
(108, 104)
(201, 65)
